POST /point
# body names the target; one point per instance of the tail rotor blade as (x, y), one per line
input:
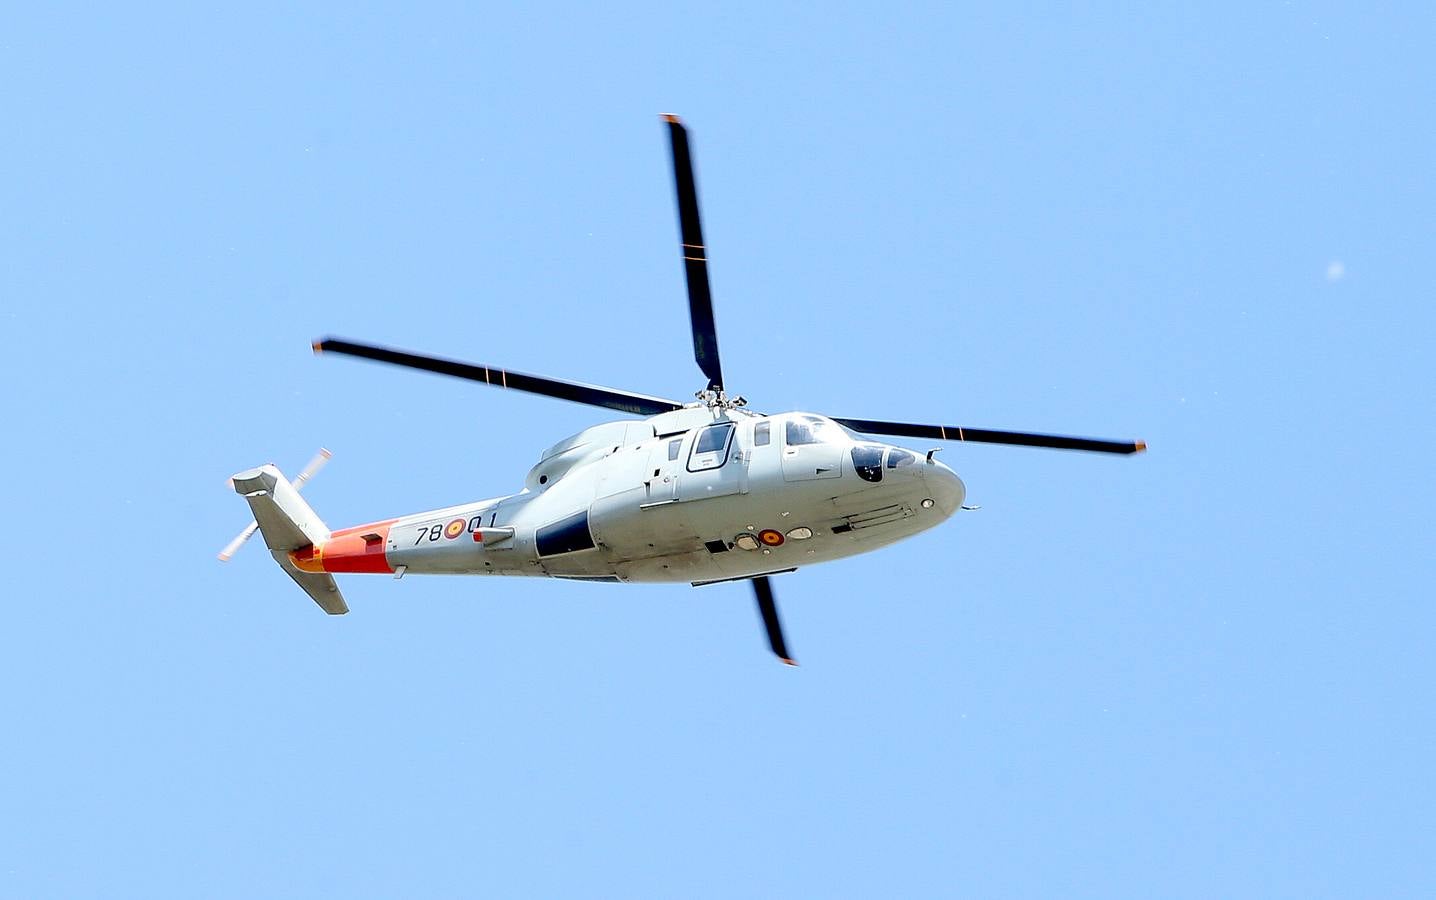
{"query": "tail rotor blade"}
(768, 609)
(233, 546)
(313, 467)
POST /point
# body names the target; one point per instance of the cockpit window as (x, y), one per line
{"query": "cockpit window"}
(868, 461)
(900, 458)
(762, 433)
(673, 446)
(810, 430)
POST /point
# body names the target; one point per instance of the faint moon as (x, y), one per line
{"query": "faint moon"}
(1335, 270)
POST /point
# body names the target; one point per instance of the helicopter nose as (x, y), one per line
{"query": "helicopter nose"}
(945, 489)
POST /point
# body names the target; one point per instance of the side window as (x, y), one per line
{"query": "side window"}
(673, 447)
(564, 536)
(710, 448)
(762, 433)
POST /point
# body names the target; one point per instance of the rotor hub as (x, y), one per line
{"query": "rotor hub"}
(719, 400)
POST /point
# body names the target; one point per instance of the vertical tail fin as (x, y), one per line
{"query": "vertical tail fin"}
(289, 523)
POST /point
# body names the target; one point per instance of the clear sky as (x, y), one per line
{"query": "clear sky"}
(1206, 671)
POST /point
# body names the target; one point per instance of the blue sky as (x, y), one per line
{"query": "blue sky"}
(1201, 672)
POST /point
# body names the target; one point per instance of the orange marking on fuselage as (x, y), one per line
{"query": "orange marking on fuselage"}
(308, 559)
(348, 550)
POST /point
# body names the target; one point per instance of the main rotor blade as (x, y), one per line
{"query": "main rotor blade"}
(769, 611)
(986, 436)
(593, 395)
(695, 258)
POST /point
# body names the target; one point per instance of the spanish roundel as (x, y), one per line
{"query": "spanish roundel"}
(455, 528)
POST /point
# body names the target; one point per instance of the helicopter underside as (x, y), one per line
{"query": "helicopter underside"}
(665, 550)
(641, 534)
(714, 540)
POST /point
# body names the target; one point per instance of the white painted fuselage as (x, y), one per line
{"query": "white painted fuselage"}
(696, 495)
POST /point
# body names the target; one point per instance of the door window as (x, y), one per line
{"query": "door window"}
(710, 450)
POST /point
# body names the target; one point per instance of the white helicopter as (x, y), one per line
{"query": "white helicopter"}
(701, 492)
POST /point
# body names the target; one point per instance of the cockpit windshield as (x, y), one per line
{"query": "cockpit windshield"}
(812, 430)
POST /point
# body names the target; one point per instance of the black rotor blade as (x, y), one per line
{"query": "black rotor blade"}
(593, 395)
(769, 611)
(695, 258)
(986, 436)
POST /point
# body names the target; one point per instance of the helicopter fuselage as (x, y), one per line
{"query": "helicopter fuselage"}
(696, 495)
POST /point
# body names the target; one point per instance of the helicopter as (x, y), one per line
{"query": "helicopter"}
(702, 492)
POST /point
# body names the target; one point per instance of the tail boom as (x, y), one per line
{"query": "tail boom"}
(363, 548)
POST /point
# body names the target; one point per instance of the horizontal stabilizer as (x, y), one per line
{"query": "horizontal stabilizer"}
(318, 585)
